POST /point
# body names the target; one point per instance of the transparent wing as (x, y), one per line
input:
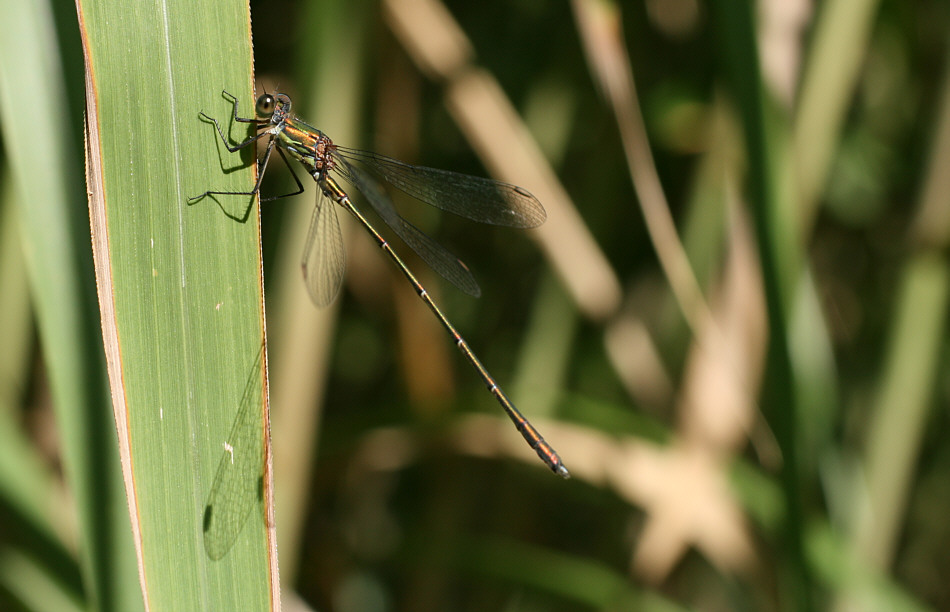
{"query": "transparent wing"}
(436, 257)
(324, 257)
(238, 481)
(476, 198)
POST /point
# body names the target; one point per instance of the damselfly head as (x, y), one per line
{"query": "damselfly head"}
(273, 106)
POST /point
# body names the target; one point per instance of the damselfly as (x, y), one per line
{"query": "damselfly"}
(478, 199)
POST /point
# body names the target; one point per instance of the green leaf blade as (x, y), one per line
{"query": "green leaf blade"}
(186, 290)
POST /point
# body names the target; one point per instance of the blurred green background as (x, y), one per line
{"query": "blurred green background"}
(753, 406)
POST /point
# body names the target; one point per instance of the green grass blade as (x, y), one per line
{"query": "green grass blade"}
(181, 292)
(777, 242)
(838, 51)
(42, 139)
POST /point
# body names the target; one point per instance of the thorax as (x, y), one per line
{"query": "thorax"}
(306, 144)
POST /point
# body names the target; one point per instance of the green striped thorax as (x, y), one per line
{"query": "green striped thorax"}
(305, 143)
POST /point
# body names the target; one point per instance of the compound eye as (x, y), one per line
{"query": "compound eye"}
(266, 105)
